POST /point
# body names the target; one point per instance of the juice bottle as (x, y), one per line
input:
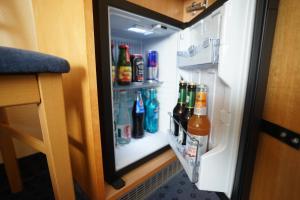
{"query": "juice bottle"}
(199, 124)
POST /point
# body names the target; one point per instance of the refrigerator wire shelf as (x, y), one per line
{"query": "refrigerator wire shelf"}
(190, 164)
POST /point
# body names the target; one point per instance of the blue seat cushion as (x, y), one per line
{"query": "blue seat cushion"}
(18, 61)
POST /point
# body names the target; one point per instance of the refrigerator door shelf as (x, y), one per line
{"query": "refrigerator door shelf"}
(202, 56)
(190, 164)
(138, 85)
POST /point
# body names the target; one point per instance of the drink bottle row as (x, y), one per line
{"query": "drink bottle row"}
(130, 68)
(190, 115)
(144, 115)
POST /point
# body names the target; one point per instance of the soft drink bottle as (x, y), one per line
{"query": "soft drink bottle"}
(152, 112)
(138, 117)
(146, 100)
(123, 120)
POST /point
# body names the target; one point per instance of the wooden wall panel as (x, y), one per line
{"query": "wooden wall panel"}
(171, 8)
(277, 174)
(65, 28)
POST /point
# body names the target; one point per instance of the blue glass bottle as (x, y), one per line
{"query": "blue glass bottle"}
(146, 100)
(152, 112)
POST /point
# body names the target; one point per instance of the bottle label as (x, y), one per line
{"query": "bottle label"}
(124, 74)
(200, 104)
(139, 106)
(113, 71)
(191, 147)
(138, 65)
(124, 131)
(190, 99)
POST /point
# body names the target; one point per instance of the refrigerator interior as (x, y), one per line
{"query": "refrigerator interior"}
(214, 51)
(164, 40)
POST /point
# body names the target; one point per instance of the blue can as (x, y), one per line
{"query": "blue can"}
(152, 67)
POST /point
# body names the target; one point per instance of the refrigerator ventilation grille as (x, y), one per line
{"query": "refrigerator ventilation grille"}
(151, 184)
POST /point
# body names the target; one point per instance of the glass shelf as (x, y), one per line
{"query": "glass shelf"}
(134, 86)
(190, 164)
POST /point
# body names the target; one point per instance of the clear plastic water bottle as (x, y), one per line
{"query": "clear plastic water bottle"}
(152, 112)
(123, 127)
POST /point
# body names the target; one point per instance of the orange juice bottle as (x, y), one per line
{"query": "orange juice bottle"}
(199, 124)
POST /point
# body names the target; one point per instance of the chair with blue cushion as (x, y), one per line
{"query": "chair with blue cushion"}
(28, 77)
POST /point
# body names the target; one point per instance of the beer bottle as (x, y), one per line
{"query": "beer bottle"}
(180, 106)
(188, 112)
(138, 117)
(199, 124)
(124, 66)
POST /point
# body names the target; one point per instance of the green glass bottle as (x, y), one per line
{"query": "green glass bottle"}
(180, 106)
(188, 112)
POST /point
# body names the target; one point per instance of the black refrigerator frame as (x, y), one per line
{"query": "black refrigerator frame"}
(264, 27)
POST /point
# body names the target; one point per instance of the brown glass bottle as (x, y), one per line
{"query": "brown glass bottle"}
(180, 106)
(199, 124)
(124, 66)
(188, 112)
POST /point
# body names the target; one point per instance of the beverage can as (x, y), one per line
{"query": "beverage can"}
(137, 63)
(152, 66)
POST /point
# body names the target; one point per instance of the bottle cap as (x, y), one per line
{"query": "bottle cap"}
(136, 56)
(123, 46)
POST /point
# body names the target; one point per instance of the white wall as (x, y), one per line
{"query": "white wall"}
(17, 30)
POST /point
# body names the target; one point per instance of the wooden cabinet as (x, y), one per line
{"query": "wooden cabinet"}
(173, 8)
(65, 28)
(277, 174)
(189, 16)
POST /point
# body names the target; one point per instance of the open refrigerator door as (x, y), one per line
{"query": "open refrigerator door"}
(216, 52)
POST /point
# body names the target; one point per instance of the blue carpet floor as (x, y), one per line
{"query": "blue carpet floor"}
(179, 187)
(37, 184)
(36, 181)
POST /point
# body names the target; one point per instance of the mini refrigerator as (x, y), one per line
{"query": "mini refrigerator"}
(217, 49)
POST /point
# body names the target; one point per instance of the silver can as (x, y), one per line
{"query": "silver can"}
(152, 66)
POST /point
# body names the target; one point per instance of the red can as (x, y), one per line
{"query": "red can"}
(137, 63)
